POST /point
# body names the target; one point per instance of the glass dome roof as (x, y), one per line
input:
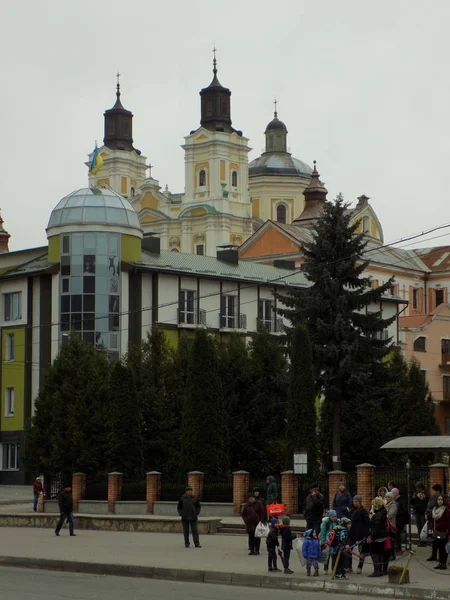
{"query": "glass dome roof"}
(94, 206)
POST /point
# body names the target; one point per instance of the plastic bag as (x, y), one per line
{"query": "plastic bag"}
(425, 534)
(325, 553)
(275, 510)
(261, 530)
(298, 547)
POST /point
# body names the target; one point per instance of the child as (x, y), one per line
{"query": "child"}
(328, 523)
(311, 551)
(286, 543)
(340, 543)
(272, 544)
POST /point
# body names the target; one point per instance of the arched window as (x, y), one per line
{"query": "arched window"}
(366, 224)
(281, 213)
(202, 177)
(234, 178)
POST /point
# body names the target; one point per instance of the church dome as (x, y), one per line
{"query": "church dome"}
(279, 164)
(276, 124)
(94, 206)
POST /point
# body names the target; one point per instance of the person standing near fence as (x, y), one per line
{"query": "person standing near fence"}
(37, 489)
(259, 498)
(441, 530)
(403, 519)
(419, 502)
(391, 509)
(65, 503)
(189, 508)
(435, 491)
(342, 501)
(271, 490)
(359, 531)
(253, 513)
(314, 506)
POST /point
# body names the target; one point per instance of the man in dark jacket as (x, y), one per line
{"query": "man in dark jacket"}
(65, 503)
(313, 511)
(189, 508)
(259, 498)
(419, 502)
(359, 531)
(252, 514)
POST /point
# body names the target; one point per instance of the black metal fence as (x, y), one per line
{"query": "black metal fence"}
(399, 476)
(96, 489)
(53, 485)
(218, 491)
(172, 491)
(134, 491)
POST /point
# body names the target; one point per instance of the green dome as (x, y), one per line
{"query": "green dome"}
(94, 206)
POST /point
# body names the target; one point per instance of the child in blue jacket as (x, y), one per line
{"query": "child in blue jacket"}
(312, 551)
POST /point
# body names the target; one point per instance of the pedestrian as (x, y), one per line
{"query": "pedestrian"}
(328, 523)
(339, 547)
(435, 491)
(189, 508)
(342, 501)
(391, 485)
(271, 490)
(253, 513)
(401, 521)
(259, 498)
(391, 510)
(314, 506)
(37, 489)
(65, 503)
(359, 531)
(286, 543)
(377, 537)
(419, 502)
(272, 544)
(441, 530)
(311, 552)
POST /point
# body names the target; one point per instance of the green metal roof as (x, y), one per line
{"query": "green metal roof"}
(210, 266)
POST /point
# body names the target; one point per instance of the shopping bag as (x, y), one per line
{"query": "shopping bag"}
(298, 548)
(275, 510)
(261, 530)
(425, 533)
(325, 553)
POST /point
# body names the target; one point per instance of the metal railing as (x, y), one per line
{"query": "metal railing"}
(233, 321)
(191, 317)
(274, 325)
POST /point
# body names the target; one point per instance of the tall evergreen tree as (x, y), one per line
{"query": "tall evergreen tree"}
(204, 435)
(418, 414)
(301, 409)
(346, 335)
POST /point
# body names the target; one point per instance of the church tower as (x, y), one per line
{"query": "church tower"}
(216, 174)
(124, 167)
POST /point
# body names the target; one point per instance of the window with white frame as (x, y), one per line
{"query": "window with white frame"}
(202, 178)
(281, 213)
(188, 307)
(415, 299)
(12, 306)
(9, 347)
(9, 402)
(228, 310)
(265, 312)
(10, 457)
(234, 178)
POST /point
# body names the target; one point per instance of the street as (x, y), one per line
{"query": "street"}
(22, 584)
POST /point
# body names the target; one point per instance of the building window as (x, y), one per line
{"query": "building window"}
(234, 178)
(13, 306)
(446, 387)
(420, 344)
(202, 178)
(281, 213)
(228, 310)
(415, 299)
(10, 457)
(200, 249)
(366, 224)
(188, 307)
(9, 350)
(439, 297)
(265, 313)
(423, 372)
(445, 350)
(9, 402)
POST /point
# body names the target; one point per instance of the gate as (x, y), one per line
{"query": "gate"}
(53, 484)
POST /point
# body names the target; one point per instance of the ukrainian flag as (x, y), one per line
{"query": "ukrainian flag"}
(96, 161)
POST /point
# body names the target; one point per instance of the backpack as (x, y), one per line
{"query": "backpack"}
(332, 539)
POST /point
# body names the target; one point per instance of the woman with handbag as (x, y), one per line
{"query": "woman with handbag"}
(441, 528)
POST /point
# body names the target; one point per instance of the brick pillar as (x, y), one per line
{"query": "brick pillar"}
(153, 489)
(366, 483)
(78, 489)
(334, 477)
(289, 492)
(195, 480)
(241, 481)
(114, 490)
(437, 475)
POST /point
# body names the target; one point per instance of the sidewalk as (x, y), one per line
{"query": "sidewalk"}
(222, 559)
(16, 494)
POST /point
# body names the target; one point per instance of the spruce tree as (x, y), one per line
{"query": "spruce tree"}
(347, 338)
(418, 414)
(204, 435)
(301, 409)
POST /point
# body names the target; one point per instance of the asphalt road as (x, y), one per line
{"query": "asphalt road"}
(21, 584)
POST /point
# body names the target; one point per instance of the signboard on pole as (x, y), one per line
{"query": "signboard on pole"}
(300, 462)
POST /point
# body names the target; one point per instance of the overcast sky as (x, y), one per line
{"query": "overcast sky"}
(363, 88)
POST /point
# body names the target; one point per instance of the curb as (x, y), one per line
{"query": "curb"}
(217, 577)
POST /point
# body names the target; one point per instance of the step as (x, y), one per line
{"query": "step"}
(240, 530)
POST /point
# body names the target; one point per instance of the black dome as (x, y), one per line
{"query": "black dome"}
(276, 124)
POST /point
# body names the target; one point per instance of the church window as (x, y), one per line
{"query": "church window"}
(234, 178)
(202, 178)
(415, 299)
(366, 224)
(281, 213)
(200, 249)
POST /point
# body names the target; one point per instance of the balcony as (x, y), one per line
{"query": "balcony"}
(445, 360)
(232, 321)
(191, 318)
(274, 325)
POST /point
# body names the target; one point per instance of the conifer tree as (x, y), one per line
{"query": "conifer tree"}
(347, 340)
(301, 409)
(204, 435)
